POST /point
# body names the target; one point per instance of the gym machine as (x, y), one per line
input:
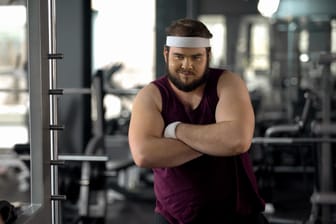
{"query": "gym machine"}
(106, 164)
(325, 196)
(318, 136)
(116, 163)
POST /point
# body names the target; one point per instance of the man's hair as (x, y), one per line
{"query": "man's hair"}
(188, 28)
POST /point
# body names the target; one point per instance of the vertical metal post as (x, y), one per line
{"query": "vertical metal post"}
(326, 156)
(39, 103)
(39, 210)
(291, 88)
(53, 109)
(43, 126)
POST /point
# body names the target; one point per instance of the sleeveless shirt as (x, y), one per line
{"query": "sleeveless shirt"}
(208, 189)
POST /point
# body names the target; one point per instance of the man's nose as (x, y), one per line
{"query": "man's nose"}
(187, 64)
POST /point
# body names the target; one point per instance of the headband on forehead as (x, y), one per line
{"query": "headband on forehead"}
(191, 42)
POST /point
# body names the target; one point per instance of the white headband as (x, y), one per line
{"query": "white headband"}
(192, 42)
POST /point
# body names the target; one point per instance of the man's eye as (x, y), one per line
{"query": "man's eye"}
(197, 57)
(179, 57)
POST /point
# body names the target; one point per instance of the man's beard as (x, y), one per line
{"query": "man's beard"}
(191, 86)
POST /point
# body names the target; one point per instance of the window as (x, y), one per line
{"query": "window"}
(216, 25)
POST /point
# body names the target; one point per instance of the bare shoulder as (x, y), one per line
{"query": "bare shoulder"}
(149, 95)
(230, 80)
(230, 77)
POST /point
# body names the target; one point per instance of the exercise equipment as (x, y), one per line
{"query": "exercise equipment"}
(107, 164)
(284, 148)
(314, 133)
(324, 196)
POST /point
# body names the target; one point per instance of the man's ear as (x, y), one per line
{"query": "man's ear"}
(209, 54)
(165, 53)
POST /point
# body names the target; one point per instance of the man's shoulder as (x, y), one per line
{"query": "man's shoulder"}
(229, 78)
(150, 88)
(149, 95)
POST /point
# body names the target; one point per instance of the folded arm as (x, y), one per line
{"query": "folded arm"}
(233, 131)
(148, 147)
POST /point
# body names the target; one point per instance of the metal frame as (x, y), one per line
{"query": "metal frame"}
(39, 210)
(44, 206)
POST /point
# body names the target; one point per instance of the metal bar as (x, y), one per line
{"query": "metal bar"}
(7, 90)
(327, 58)
(275, 220)
(277, 129)
(56, 127)
(83, 158)
(56, 91)
(326, 174)
(324, 198)
(286, 140)
(70, 91)
(122, 92)
(57, 162)
(77, 91)
(119, 92)
(58, 197)
(323, 129)
(98, 126)
(53, 56)
(64, 158)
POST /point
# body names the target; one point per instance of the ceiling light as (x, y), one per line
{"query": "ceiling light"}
(268, 7)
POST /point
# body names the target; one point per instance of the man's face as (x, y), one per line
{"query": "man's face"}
(187, 67)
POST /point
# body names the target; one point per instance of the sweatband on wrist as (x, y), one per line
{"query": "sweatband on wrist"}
(169, 131)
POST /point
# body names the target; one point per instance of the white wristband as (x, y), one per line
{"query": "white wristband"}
(169, 131)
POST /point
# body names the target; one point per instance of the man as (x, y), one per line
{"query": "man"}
(194, 127)
(7, 212)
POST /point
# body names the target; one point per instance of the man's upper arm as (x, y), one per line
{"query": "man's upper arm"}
(235, 107)
(146, 120)
(234, 101)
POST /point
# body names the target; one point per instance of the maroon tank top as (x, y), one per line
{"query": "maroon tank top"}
(211, 189)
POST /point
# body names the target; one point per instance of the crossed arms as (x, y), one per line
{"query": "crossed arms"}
(230, 135)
